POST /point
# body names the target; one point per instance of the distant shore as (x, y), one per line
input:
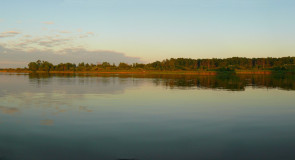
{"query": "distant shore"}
(253, 72)
(178, 66)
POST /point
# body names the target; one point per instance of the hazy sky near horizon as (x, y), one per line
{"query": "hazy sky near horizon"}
(143, 30)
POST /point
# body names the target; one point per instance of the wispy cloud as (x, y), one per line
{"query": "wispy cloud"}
(27, 36)
(60, 40)
(90, 33)
(74, 55)
(9, 34)
(48, 22)
(56, 48)
(65, 31)
(44, 42)
(51, 42)
(87, 34)
(5, 35)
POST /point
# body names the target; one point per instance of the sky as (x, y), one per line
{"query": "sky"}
(143, 30)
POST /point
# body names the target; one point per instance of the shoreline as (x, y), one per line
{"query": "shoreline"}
(148, 72)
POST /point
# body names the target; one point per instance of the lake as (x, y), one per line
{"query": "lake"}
(146, 117)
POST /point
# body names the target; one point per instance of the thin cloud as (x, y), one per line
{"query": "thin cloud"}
(73, 55)
(65, 31)
(9, 34)
(5, 35)
(90, 33)
(87, 34)
(83, 36)
(44, 41)
(53, 42)
(27, 36)
(48, 22)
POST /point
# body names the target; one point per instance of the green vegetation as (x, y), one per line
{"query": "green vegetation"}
(179, 64)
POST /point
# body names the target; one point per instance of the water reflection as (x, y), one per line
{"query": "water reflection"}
(84, 109)
(222, 81)
(144, 117)
(63, 92)
(47, 122)
(9, 110)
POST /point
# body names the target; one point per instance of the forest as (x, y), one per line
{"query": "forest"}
(177, 64)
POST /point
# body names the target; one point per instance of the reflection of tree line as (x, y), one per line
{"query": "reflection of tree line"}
(222, 81)
(234, 82)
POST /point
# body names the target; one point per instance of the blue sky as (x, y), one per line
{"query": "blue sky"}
(144, 30)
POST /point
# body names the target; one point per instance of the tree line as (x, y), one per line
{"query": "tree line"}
(177, 64)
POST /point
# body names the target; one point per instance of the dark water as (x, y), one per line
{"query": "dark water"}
(146, 117)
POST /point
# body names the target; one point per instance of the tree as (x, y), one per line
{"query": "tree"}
(33, 66)
(124, 66)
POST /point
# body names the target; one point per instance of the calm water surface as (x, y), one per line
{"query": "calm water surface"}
(146, 117)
